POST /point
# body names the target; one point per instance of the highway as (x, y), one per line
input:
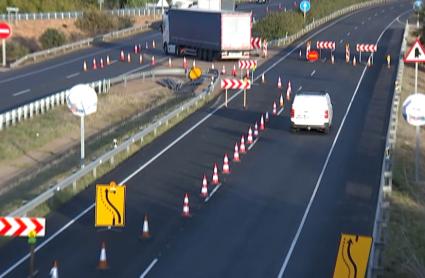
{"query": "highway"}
(280, 212)
(33, 82)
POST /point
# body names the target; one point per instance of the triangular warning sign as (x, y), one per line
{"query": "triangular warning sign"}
(416, 53)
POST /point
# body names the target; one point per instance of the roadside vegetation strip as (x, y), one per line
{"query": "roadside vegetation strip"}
(404, 251)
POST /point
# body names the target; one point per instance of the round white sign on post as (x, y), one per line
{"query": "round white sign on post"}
(82, 100)
(414, 109)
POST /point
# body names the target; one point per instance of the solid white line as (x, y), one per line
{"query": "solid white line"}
(313, 72)
(143, 275)
(72, 75)
(253, 143)
(280, 111)
(21, 92)
(113, 62)
(316, 188)
(48, 239)
(213, 192)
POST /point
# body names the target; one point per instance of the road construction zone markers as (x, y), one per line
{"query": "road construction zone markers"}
(388, 61)
(279, 83)
(307, 49)
(108, 62)
(236, 157)
(84, 65)
(223, 70)
(101, 63)
(129, 57)
(186, 208)
(103, 264)
(242, 147)
(274, 113)
(194, 63)
(267, 117)
(122, 55)
(145, 229)
(215, 180)
(212, 66)
(227, 84)
(354, 61)
(369, 63)
(135, 49)
(153, 61)
(262, 78)
(94, 64)
(325, 45)
(249, 139)
(281, 102)
(288, 91)
(262, 122)
(22, 227)
(265, 46)
(153, 44)
(110, 205)
(353, 256)
(332, 59)
(54, 270)
(347, 53)
(255, 43)
(363, 47)
(204, 188)
(234, 72)
(300, 53)
(169, 62)
(256, 129)
(146, 45)
(226, 167)
(247, 64)
(140, 58)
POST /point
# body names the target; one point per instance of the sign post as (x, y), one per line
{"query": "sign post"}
(416, 54)
(237, 85)
(32, 240)
(417, 7)
(5, 32)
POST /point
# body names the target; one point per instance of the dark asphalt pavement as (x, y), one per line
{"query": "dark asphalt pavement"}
(248, 226)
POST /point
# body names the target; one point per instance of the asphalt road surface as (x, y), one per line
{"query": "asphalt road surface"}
(282, 209)
(33, 82)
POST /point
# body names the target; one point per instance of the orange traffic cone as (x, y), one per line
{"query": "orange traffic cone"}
(122, 56)
(135, 49)
(101, 63)
(102, 261)
(84, 65)
(279, 83)
(169, 62)
(288, 91)
(262, 78)
(267, 117)
(256, 130)
(281, 102)
(145, 232)
(108, 62)
(215, 180)
(94, 64)
(140, 59)
(54, 270)
(236, 157)
(153, 61)
(226, 167)
(186, 209)
(262, 122)
(204, 189)
(223, 70)
(129, 58)
(249, 139)
(354, 61)
(234, 72)
(274, 108)
(242, 148)
(153, 44)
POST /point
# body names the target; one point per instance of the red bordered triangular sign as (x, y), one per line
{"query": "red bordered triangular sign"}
(416, 53)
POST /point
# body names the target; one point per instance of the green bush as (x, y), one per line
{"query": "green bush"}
(95, 22)
(52, 38)
(15, 50)
(47, 5)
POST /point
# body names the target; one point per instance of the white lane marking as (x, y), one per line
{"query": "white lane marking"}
(21, 92)
(362, 22)
(300, 88)
(80, 58)
(348, 34)
(48, 239)
(341, 41)
(153, 263)
(313, 72)
(355, 27)
(212, 192)
(72, 75)
(280, 111)
(113, 62)
(316, 188)
(253, 143)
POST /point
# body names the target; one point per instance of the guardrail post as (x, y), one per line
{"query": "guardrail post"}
(36, 107)
(31, 109)
(94, 172)
(13, 115)
(7, 118)
(19, 114)
(62, 98)
(42, 105)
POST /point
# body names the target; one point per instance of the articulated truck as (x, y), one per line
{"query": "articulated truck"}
(207, 35)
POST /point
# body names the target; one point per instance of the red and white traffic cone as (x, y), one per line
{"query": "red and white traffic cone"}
(300, 54)
(354, 61)
(129, 57)
(234, 72)
(223, 70)
(215, 180)
(103, 264)
(369, 62)
(274, 112)
(256, 130)
(54, 272)
(212, 66)
(288, 91)
(184, 63)
(101, 63)
(186, 208)
(249, 139)
(242, 147)
(279, 83)
(267, 116)
(226, 167)
(204, 188)
(153, 61)
(262, 78)
(247, 73)
(194, 63)
(145, 229)
(236, 157)
(332, 59)
(108, 62)
(169, 62)
(135, 49)
(122, 59)
(84, 65)
(262, 123)
(281, 102)
(140, 58)
(153, 44)
(94, 64)
(146, 45)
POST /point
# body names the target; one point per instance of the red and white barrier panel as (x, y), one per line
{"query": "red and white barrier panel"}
(235, 84)
(255, 43)
(325, 45)
(361, 47)
(22, 226)
(247, 64)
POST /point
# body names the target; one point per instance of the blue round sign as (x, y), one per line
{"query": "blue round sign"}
(305, 6)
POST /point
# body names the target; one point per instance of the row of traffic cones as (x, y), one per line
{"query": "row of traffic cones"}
(123, 59)
(95, 65)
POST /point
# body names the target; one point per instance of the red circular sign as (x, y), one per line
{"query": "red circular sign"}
(313, 56)
(5, 30)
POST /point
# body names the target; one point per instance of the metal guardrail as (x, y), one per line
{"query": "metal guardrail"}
(109, 156)
(91, 167)
(381, 215)
(76, 14)
(27, 111)
(39, 55)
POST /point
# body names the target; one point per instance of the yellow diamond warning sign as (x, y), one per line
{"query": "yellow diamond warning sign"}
(110, 205)
(353, 255)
